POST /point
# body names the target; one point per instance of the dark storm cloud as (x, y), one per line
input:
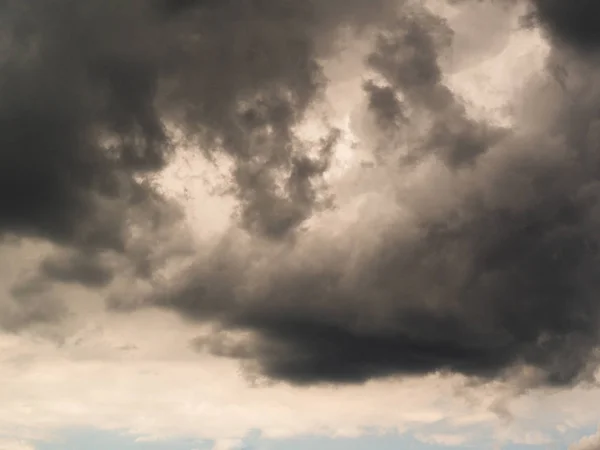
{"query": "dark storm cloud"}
(76, 116)
(478, 269)
(572, 22)
(490, 263)
(88, 91)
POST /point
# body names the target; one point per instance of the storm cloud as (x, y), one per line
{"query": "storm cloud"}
(471, 247)
(574, 23)
(489, 266)
(96, 95)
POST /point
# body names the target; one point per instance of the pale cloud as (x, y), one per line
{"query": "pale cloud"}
(155, 388)
(443, 439)
(587, 443)
(14, 444)
(228, 444)
(138, 374)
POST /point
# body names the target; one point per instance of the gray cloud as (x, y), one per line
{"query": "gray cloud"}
(78, 268)
(33, 304)
(384, 104)
(574, 23)
(76, 116)
(495, 268)
(90, 92)
(245, 89)
(406, 55)
(489, 264)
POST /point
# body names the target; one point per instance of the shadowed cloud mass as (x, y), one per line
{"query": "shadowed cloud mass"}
(470, 247)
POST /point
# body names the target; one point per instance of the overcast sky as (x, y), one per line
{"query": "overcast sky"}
(284, 224)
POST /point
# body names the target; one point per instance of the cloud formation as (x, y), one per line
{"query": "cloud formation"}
(90, 90)
(587, 443)
(97, 95)
(472, 247)
(488, 267)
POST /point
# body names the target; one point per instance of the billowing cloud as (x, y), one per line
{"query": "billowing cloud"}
(480, 256)
(96, 96)
(467, 247)
(587, 443)
(90, 91)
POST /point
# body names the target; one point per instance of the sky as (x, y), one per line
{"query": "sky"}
(284, 224)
